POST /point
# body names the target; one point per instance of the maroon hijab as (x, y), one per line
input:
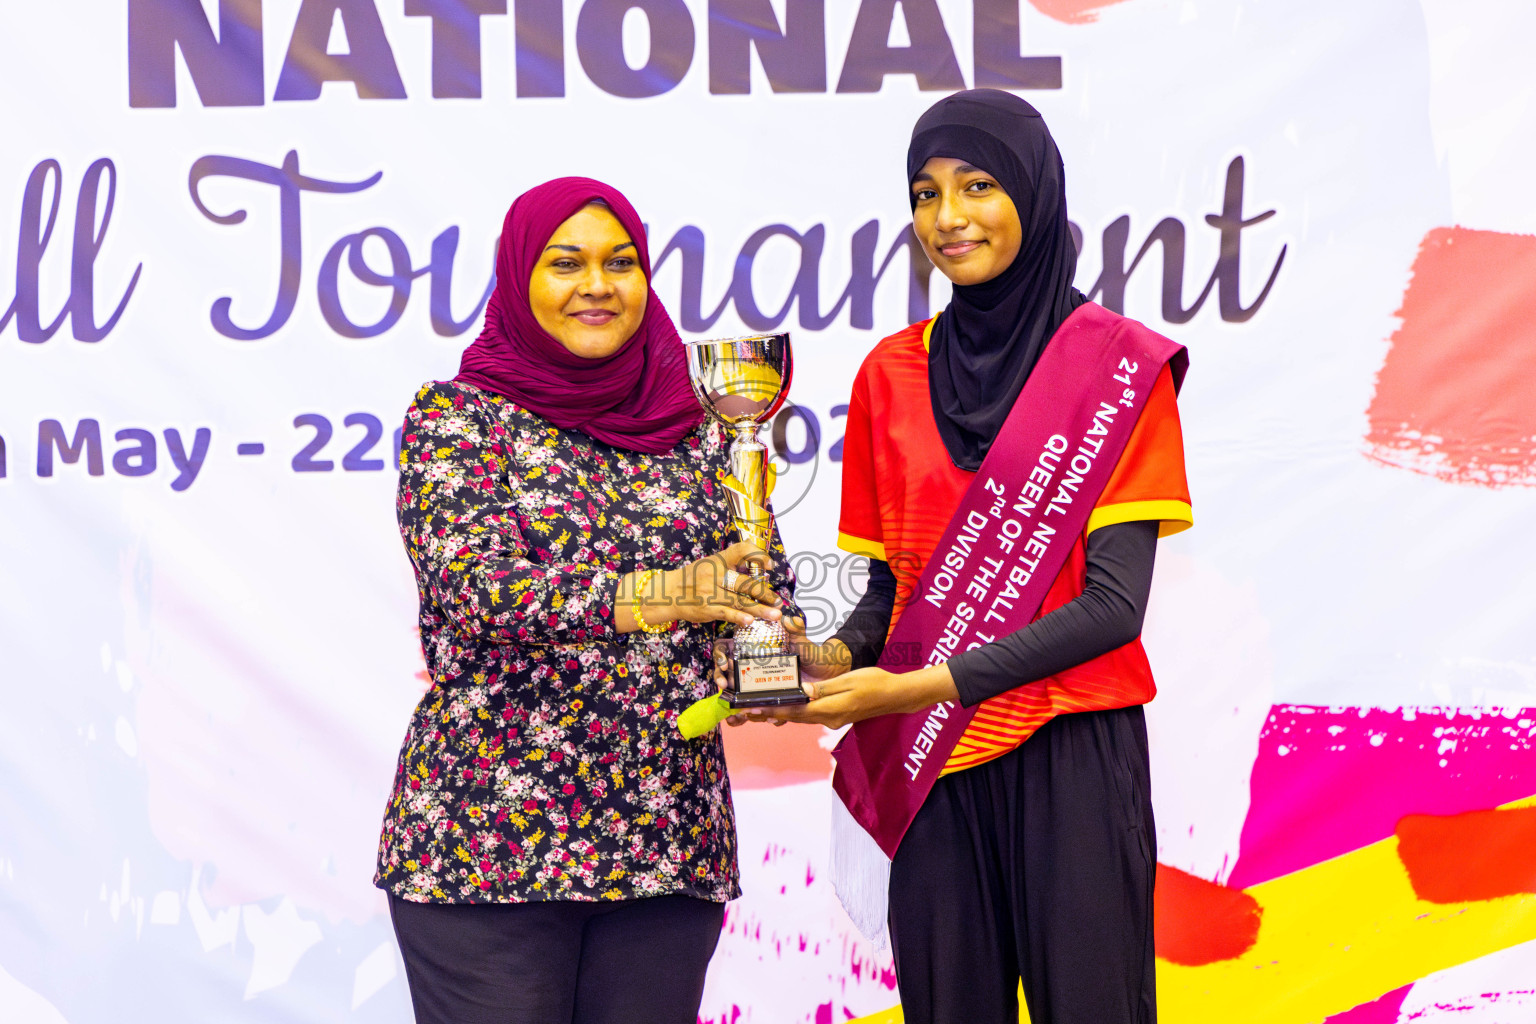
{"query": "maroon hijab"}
(638, 397)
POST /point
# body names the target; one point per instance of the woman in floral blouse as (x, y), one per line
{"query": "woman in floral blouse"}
(553, 849)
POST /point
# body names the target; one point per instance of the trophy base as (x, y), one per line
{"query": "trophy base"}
(773, 699)
(765, 681)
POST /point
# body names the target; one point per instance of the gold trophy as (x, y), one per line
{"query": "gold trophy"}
(742, 382)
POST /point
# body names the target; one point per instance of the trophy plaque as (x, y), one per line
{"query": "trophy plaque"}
(742, 382)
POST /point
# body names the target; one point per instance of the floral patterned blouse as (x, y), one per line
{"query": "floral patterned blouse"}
(545, 763)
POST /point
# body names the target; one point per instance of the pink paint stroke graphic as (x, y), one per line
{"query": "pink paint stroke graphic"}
(1331, 780)
(1512, 1005)
(1072, 12)
(1456, 397)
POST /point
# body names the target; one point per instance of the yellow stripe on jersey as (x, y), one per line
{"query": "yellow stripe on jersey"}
(860, 546)
(1175, 516)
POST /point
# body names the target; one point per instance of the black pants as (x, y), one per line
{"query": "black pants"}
(1037, 866)
(629, 962)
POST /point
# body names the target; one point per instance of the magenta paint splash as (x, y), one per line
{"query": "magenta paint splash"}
(1331, 780)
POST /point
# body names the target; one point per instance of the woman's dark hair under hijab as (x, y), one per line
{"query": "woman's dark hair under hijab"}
(989, 337)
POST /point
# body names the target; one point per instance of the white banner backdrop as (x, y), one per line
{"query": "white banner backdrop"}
(245, 231)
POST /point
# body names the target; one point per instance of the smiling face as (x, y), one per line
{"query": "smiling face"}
(588, 290)
(965, 221)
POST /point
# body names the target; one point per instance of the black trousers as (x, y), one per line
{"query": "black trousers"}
(629, 962)
(1035, 867)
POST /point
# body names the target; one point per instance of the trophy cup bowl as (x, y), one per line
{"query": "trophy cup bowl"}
(741, 382)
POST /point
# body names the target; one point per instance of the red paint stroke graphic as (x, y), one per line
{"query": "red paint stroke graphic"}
(1456, 398)
(1199, 922)
(1479, 855)
(1331, 780)
(761, 758)
(1377, 1011)
(1072, 12)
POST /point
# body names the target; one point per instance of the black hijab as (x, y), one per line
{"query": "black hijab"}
(989, 337)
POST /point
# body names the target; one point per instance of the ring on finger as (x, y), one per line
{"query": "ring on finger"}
(732, 577)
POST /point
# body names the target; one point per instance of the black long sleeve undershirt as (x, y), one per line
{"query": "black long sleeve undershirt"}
(869, 622)
(1106, 615)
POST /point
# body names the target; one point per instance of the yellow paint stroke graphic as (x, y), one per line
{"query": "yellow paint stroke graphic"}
(1334, 935)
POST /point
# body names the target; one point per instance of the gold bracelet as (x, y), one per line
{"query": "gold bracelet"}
(643, 581)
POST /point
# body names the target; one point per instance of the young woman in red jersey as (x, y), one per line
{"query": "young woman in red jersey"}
(1028, 854)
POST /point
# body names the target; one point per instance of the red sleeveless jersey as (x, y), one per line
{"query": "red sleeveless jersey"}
(900, 489)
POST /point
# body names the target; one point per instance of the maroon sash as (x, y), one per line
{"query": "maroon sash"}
(1003, 548)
